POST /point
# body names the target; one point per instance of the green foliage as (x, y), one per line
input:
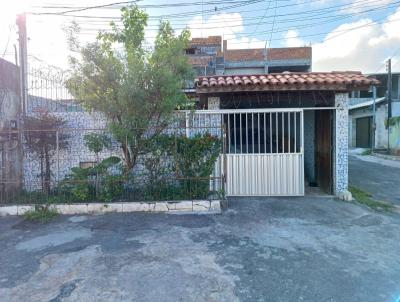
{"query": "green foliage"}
(367, 152)
(192, 162)
(41, 214)
(136, 88)
(97, 183)
(365, 198)
(393, 121)
(97, 142)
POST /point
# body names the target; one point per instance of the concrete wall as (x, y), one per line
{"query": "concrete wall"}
(234, 71)
(10, 143)
(380, 132)
(309, 145)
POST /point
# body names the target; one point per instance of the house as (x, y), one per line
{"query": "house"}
(364, 110)
(211, 56)
(284, 131)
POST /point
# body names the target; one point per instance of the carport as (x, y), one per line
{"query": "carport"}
(283, 131)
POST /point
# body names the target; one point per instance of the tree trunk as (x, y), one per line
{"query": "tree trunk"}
(41, 157)
(47, 171)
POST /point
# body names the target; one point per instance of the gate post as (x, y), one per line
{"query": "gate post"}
(340, 163)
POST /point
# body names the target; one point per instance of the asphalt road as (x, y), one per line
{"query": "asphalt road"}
(379, 177)
(273, 249)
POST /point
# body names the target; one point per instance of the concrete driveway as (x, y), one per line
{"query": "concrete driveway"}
(275, 249)
(378, 176)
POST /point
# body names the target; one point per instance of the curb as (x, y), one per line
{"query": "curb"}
(181, 207)
(386, 156)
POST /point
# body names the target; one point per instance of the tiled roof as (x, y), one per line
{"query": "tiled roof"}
(211, 40)
(255, 54)
(343, 81)
(290, 53)
(200, 60)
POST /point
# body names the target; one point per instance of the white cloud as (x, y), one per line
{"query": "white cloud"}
(362, 45)
(292, 39)
(357, 6)
(229, 26)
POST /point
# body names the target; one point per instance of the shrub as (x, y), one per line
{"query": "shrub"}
(41, 214)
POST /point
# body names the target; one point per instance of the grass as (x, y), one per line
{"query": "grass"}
(367, 152)
(366, 198)
(41, 214)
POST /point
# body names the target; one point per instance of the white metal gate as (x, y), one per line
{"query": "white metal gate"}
(263, 151)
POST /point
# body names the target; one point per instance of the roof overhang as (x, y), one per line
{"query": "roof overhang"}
(287, 81)
(367, 103)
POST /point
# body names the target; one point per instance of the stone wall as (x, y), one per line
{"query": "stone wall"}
(78, 124)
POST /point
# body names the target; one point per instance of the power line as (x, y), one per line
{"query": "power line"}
(11, 27)
(313, 17)
(212, 11)
(91, 7)
(280, 29)
(265, 13)
(391, 57)
(272, 29)
(238, 4)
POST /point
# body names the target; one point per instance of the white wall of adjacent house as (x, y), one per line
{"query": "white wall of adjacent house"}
(380, 132)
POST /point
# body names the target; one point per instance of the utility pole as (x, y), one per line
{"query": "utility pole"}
(23, 60)
(389, 100)
(373, 116)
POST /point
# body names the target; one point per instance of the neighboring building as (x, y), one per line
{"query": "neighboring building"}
(211, 56)
(284, 131)
(361, 113)
(10, 141)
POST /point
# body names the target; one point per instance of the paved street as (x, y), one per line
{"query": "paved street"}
(275, 249)
(378, 176)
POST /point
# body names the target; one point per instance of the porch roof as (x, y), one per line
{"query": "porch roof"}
(286, 81)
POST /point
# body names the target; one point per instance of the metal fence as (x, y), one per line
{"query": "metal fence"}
(52, 154)
(70, 165)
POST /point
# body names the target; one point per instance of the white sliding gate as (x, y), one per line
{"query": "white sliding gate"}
(263, 151)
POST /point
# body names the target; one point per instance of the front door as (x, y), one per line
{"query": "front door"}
(323, 136)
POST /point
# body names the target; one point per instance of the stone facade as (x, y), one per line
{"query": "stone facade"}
(340, 163)
(78, 124)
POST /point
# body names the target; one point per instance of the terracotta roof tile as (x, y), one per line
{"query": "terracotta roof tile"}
(287, 80)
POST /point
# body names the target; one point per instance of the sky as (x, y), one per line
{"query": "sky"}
(345, 34)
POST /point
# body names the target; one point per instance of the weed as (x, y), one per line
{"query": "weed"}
(367, 152)
(365, 198)
(41, 214)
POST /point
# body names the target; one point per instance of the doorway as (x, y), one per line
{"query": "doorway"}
(323, 149)
(363, 132)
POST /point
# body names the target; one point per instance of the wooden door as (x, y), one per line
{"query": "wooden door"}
(323, 139)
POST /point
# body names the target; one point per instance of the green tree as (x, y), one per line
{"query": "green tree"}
(136, 88)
